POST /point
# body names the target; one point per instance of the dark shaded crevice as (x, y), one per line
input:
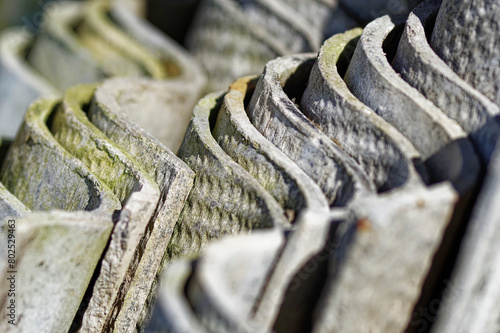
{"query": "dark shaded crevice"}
(297, 82)
(173, 17)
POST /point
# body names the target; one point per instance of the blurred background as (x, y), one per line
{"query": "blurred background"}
(175, 16)
(171, 16)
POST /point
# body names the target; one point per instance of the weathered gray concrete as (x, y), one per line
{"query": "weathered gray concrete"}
(233, 39)
(225, 198)
(44, 176)
(56, 256)
(424, 70)
(388, 157)
(174, 179)
(228, 278)
(472, 297)
(173, 312)
(325, 16)
(278, 118)
(228, 24)
(277, 173)
(133, 186)
(19, 84)
(10, 205)
(466, 36)
(438, 139)
(380, 280)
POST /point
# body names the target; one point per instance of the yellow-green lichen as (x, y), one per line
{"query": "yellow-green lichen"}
(115, 167)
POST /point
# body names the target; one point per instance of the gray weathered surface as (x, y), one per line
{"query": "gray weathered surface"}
(380, 280)
(19, 84)
(284, 24)
(247, 35)
(44, 176)
(10, 205)
(279, 175)
(386, 155)
(325, 16)
(117, 53)
(423, 69)
(228, 278)
(472, 300)
(138, 193)
(225, 198)
(55, 263)
(175, 181)
(438, 138)
(228, 26)
(277, 117)
(467, 37)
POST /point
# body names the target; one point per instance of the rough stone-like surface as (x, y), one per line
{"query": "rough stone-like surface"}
(134, 188)
(173, 312)
(232, 39)
(225, 198)
(228, 277)
(286, 26)
(380, 281)
(279, 175)
(56, 256)
(472, 299)
(386, 155)
(19, 84)
(278, 118)
(175, 181)
(44, 176)
(228, 25)
(10, 205)
(326, 16)
(307, 240)
(438, 138)
(466, 36)
(423, 69)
